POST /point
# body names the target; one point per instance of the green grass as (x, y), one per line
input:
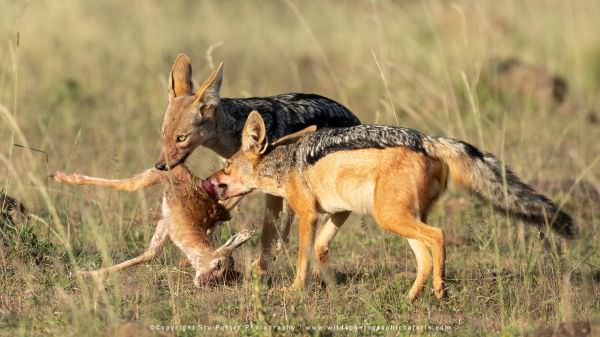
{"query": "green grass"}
(87, 84)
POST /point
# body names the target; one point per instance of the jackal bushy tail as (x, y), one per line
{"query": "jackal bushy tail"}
(490, 179)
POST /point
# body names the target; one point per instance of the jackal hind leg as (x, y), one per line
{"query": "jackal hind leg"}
(404, 224)
(424, 268)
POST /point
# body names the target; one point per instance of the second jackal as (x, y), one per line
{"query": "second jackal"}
(394, 173)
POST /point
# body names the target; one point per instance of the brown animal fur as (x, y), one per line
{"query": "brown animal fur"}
(188, 214)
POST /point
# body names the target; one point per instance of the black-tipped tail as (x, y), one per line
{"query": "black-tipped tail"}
(491, 180)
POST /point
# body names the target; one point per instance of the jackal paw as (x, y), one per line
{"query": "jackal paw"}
(414, 293)
(439, 293)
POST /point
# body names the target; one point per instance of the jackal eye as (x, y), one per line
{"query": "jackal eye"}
(181, 138)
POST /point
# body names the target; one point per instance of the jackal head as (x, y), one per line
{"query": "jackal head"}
(190, 118)
(241, 173)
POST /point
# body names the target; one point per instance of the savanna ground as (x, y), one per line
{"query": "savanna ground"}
(86, 82)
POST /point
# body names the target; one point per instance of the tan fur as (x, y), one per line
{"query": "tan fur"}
(181, 77)
(396, 185)
(188, 213)
(187, 109)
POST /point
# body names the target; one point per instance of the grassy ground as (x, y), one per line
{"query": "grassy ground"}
(86, 82)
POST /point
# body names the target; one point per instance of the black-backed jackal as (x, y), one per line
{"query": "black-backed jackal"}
(394, 173)
(201, 117)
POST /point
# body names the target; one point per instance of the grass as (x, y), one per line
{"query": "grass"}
(86, 83)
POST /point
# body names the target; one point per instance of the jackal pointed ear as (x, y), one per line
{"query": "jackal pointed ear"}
(254, 133)
(209, 92)
(180, 78)
(293, 137)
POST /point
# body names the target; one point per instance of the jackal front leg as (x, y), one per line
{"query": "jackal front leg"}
(156, 243)
(307, 222)
(147, 178)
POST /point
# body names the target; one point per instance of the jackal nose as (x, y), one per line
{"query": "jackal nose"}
(160, 166)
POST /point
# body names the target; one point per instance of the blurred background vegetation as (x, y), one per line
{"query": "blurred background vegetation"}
(86, 83)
